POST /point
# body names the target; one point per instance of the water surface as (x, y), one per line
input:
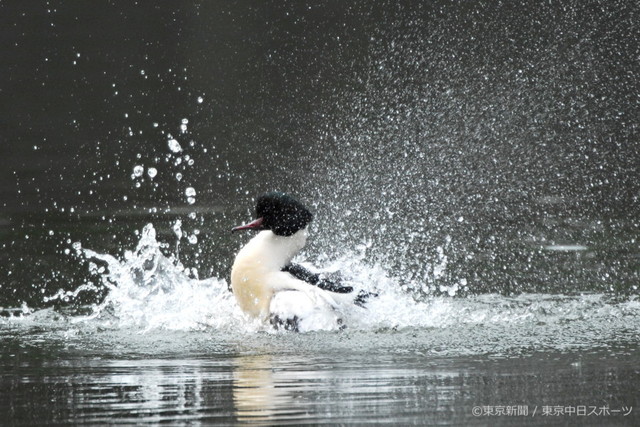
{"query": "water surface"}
(473, 163)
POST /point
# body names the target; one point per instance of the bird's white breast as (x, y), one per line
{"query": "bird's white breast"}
(256, 272)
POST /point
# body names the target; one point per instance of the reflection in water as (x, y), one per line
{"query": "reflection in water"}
(271, 389)
(156, 391)
(160, 388)
(254, 393)
(44, 384)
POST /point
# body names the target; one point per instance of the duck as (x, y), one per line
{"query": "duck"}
(269, 287)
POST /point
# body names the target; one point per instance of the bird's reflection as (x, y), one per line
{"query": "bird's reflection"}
(255, 394)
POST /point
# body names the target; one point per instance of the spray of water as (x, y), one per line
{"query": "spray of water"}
(148, 290)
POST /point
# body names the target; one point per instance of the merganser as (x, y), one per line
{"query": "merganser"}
(267, 286)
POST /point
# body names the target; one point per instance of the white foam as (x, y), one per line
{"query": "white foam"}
(150, 291)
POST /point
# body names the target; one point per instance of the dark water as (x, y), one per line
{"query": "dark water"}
(475, 162)
(415, 376)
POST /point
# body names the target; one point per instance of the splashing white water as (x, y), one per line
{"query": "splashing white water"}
(149, 291)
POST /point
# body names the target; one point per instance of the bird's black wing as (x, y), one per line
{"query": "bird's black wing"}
(301, 273)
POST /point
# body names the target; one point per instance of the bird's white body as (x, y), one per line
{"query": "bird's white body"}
(263, 290)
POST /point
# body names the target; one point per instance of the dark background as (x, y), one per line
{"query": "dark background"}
(471, 136)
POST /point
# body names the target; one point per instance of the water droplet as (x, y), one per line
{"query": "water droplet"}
(179, 176)
(177, 229)
(200, 100)
(174, 145)
(138, 171)
(152, 172)
(190, 192)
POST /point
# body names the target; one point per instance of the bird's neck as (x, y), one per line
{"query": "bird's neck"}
(271, 251)
(253, 271)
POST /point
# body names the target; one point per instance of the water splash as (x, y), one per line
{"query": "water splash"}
(150, 291)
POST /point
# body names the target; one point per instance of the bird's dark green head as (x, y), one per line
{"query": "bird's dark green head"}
(279, 213)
